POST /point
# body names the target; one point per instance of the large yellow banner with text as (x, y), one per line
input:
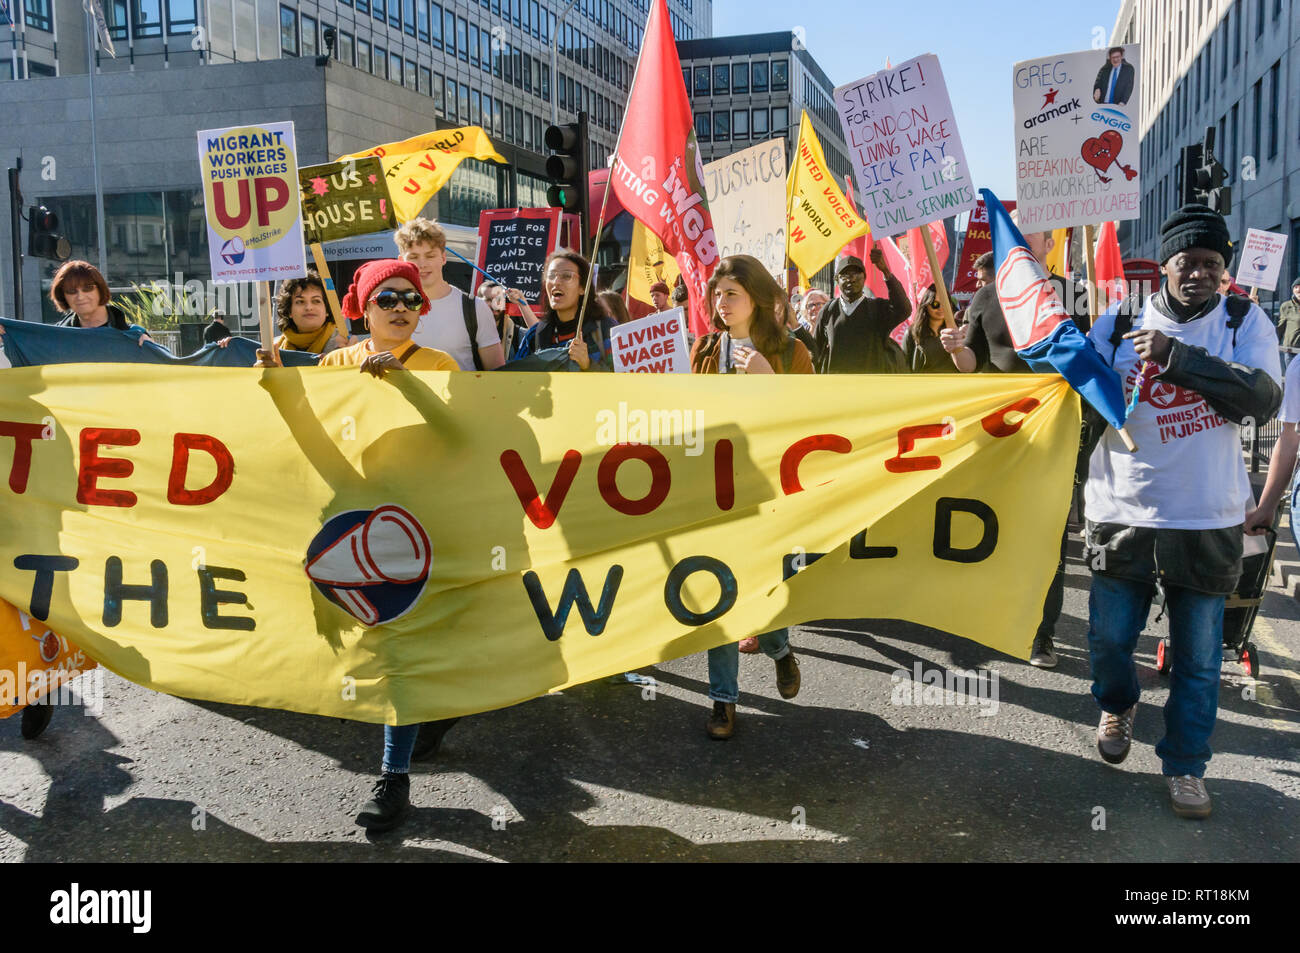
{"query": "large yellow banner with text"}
(435, 544)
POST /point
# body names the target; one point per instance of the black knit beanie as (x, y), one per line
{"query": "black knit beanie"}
(1194, 226)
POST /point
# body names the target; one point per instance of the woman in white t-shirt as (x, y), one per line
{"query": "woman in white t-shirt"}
(444, 328)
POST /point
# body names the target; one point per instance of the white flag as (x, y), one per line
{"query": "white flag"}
(96, 10)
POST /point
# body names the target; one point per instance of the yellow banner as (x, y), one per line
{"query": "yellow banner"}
(821, 219)
(418, 167)
(436, 544)
(648, 263)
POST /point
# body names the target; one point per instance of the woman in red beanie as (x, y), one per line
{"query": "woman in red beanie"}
(387, 294)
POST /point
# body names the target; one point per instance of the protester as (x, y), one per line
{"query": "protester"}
(611, 302)
(1283, 462)
(853, 331)
(1173, 512)
(681, 297)
(788, 318)
(386, 293)
(749, 340)
(216, 329)
(659, 295)
(813, 303)
(1288, 319)
(564, 281)
(456, 323)
(80, 290)
(984, 270)
(304, 317)
(508, 325)
(985, 345)
(924, 351)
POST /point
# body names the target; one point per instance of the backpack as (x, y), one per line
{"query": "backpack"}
(1237, 306)
(469, 308)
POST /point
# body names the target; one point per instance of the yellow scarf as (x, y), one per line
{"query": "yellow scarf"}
(313, 341)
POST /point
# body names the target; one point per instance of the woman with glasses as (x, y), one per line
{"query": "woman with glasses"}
(386, 294)
(564, 280)
(922, 347)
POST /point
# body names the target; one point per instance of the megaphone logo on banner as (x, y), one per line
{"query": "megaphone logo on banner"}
(372, 563)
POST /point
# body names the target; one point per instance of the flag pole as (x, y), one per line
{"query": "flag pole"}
(1090, 264)
(331, 293)
(609, 184)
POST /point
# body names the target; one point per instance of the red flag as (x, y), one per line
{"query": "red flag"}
(920, 260)
(1108, 267)
(658, 174)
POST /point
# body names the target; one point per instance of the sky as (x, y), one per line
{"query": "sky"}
(977, 45)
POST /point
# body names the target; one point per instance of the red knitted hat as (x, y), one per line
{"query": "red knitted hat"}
(373, 274)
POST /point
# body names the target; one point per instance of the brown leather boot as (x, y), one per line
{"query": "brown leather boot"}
(787, 676)
(722, 722)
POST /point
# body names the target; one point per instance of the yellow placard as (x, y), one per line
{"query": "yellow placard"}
(34, 661)
(822, 221)
(435, 544)
(647, 263)
(418, 167)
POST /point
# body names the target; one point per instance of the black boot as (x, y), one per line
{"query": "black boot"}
(389, 804)
(429, 740)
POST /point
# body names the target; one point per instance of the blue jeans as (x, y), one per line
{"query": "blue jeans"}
(1117, 611)
(724, 664)
(399, 742)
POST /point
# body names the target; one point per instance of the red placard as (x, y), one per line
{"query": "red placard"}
(979, 239)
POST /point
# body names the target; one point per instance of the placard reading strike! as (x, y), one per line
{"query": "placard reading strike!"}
(1077, 137)
(250, 197)
(906, 152)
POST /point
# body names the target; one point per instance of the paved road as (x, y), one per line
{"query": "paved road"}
(611, 771)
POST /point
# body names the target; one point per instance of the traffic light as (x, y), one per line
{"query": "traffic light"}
(43, 241)
(566, 167)
(1203, 176)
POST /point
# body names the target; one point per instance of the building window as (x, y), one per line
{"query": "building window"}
(702, 81)
(780, 120)
(452, 99)
(509, 72)
(363, 54)
(686, 77)
(435, 25)
(395, 68)
(500, 123)
(485, 51)
(780, 75)
(464, 105)
(759, 117)
(758, 72)
(288, 31)
(345, 49)
(462, 39)
(422, 19)
(1235, 13)
(473, 45)
(476, 107)
(378, 6)
(409, 78)
(449, 31)
(308, 35)
(721, 126)
(740, 123)
(37, 14)
(381, 62)
(439, 94)
(702, 127)
(1274, 95)
(408, 18)
(363, 6)
(1256, 118)
(740, 77)
(182, 16)
(1232, 154)
(1259, 18)
(722, 78)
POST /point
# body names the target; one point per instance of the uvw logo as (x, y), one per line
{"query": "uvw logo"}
(272, 195)
(1028, 300)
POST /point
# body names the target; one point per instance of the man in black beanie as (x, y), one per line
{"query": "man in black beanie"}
(853, 330)
(1201, 364)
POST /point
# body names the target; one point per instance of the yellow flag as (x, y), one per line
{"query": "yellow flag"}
(821, 219)
(434, 544)
(418, 167)
(1056, 262)
(648, 263)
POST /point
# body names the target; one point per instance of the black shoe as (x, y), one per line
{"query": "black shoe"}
(429, 740)
(392, 799)
(35, 720)
(1043, 654)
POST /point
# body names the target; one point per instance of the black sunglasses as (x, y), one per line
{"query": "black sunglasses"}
(388, 299)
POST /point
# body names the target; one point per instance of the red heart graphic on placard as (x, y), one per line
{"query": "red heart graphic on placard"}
(1114, 141)
(1098, 152)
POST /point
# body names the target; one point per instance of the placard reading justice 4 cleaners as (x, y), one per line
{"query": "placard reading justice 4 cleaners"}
(903, 140)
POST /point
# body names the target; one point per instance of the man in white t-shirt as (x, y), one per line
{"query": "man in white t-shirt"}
(1281, 465)
(451, 312)
(1201, 365)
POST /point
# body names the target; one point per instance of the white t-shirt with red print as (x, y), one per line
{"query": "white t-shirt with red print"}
(1189, 472)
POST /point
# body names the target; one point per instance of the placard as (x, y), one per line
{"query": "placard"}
(746, 192)
(343, 199)
(1261, 259)
(250, 199)
(1077, 138)
(513, 244)
(903, 141)
(654, 344)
